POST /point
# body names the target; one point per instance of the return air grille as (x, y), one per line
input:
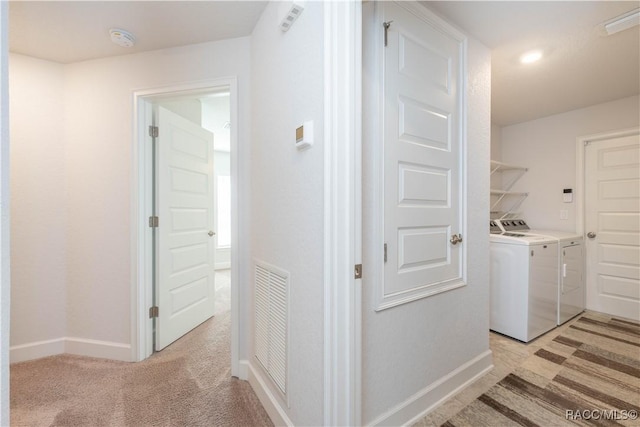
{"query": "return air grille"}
(272, 322)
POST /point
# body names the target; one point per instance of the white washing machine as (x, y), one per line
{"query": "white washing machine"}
(524, 288)
(571, 281)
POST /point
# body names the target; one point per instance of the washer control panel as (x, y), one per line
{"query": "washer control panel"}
(512, 224)
(494, 227)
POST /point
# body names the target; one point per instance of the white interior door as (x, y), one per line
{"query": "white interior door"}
(422, 157)
(185, 287)
(612, 221)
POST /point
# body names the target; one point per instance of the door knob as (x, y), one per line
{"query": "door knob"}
(591, 235)
(211, 233)
(455, 239)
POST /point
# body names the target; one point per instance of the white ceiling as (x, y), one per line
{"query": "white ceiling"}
(580, 67)
(72, 31)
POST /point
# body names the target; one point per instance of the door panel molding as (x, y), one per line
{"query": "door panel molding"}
(185, 251)
(431, 132)
(581, 142)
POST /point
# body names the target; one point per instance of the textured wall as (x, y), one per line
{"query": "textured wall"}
(38, 201)
(287, 187)
(547, 147)
(407, 349)
(81, 234)
(99, 123)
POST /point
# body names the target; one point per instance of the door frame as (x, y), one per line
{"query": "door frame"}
(581, 176)
(142, 208)
(342, 212)
(5, 249)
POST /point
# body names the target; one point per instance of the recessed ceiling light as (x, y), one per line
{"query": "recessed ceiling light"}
(532, 56)
(122, 38)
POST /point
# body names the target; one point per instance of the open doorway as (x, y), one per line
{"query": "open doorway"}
(208, 108)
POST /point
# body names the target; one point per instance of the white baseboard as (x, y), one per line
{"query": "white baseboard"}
(423, 402)
(269, 401)
(70, 345)
(222, 265)
(100, 349)
(36, 350)
(243, 370)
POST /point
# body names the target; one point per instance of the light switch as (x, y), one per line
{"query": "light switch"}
(564, 214)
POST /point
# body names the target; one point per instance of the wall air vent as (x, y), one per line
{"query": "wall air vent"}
(272, 322)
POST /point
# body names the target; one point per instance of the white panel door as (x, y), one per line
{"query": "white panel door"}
(185, 244)
(423, 143)
(612, 221)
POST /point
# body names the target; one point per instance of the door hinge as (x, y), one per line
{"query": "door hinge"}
(385, 252)
(386, 26)
(358, 271)
(154, 131)
(154, 312)
(153, 221)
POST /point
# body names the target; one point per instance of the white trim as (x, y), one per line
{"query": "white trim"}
(581, 143)
(95, 348)
(413, 409)
(70, 345)
(267, 398)
(342, 212)
(5, 249)
(243, 370)
(222, 265)
(141, 269)
(36, 350)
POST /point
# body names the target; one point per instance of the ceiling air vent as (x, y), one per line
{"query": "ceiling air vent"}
(289, 13)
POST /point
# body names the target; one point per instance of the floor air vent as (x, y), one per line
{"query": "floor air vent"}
(272, 322)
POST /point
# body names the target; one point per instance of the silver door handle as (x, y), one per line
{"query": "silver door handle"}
(211, 233)
(591, 235)
(455, 239)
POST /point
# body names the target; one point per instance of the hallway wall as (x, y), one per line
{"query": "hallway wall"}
(288, 192)
(38, 205)
(99, 166)
(417, 353)
(91, 146)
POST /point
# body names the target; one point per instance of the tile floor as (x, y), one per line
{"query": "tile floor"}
(508, 354)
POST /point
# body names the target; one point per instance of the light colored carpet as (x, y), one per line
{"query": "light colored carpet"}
(187, 384)
(588, 375)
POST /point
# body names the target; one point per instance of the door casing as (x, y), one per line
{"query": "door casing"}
(142, 208)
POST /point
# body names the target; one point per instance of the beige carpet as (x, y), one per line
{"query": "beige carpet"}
(588, 375)
(187, 384)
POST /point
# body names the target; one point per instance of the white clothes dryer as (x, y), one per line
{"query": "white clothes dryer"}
(571, 280)
(524, 289)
